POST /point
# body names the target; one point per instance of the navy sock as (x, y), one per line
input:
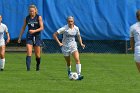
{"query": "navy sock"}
(28, 62)
(37, 63)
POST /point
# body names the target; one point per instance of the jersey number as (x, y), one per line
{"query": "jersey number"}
(32, 25)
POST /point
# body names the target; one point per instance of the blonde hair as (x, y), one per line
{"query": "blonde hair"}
(33, 6)
(70, 17)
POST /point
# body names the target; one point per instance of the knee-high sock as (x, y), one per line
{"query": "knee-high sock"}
(69, 68)
(28, 62)
(2, 63)
(78, 69)
(38, 60)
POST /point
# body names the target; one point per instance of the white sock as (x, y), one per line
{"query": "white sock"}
(69, 68)
(78, 69)
(2, 63)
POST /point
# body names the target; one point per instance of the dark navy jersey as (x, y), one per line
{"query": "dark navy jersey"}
(33, 24)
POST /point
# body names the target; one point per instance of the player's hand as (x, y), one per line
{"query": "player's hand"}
(83, 46)
(60, 44)
(31, 31)
(19, 41)
(130, 49)
(8, 40)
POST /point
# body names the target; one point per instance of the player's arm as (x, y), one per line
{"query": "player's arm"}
(55, 35)
(80, 39)
(40, 28)
(22, 31)
(8, 36)
(131, 43)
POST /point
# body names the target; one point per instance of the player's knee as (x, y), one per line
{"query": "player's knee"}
(29, 54)
(2, 55)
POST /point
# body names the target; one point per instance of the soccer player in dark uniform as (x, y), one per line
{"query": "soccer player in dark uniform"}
(33, 37)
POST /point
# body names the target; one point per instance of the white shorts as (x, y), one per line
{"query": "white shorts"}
(137, 58)
(67, 51)
(137, 54)
(2, 43)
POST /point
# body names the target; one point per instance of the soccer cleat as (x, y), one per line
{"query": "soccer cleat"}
(37, 69)
(80, 77)
(28, 69)
(1, 69)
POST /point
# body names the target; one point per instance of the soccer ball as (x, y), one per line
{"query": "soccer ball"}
(73, 76)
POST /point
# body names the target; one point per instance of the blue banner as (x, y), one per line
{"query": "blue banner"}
(96, 19)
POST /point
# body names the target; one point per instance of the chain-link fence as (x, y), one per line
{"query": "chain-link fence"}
(92, 46)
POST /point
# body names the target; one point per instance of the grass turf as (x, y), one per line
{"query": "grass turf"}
(103, 73)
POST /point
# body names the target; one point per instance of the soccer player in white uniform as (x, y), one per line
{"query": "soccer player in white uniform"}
(69, 45)
(3, 28)
(135, 40)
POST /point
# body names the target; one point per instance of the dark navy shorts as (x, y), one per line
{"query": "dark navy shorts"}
(34, 40)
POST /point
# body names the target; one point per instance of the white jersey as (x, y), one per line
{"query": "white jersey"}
(69, 35)
(3, 28)
(135, 32)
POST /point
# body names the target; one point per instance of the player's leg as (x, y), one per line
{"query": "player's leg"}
(137, 57)
(78, 65)
(38, 59)
(77, 60)
(66, 53)
(138, 66)
(28, 57)
(2, 57)
(67, 58)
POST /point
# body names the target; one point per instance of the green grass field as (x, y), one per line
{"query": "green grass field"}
(103, 73)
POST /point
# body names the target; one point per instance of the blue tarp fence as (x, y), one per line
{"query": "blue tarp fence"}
(96, 19)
